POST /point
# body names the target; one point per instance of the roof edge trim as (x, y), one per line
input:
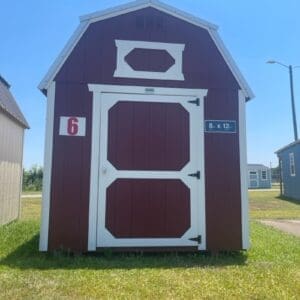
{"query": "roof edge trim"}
(139, 4)
(86, 20)
(287, 146)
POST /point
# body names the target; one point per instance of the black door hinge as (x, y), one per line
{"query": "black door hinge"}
(197, 175)
(196, 239)
(196, 101)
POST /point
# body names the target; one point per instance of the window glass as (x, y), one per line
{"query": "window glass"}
(292, 165)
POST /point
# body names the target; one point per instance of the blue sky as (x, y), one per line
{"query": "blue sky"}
(33, 32)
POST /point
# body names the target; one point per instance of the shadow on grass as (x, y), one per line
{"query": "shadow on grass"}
(288, 199)
(27, 256)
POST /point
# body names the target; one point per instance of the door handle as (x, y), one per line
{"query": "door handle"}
(104, 170)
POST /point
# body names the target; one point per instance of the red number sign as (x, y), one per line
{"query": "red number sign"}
(72, 126)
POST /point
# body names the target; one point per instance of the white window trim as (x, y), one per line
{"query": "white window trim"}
(124, 70)
(292, 159)
(261, 176)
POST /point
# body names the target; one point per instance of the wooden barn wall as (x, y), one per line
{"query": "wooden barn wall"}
(11, 152)
(93, 60)
(70, 171)
(222, 178)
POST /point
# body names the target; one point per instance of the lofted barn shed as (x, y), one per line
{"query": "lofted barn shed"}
(12, 126)
(146, 143)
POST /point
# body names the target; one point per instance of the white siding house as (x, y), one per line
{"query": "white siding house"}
(259, 177)
(12, 126)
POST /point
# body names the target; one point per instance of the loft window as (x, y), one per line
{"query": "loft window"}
(292, 165)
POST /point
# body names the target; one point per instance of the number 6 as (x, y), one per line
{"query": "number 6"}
(72, 126)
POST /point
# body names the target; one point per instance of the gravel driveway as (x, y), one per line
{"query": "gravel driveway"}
(289, 226)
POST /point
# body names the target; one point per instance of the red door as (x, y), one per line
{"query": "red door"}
(149, 176)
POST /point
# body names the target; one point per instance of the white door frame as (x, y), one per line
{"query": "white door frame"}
(98, 92)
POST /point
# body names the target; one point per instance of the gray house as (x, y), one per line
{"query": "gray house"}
(12, 126)
(259, 177)
(289, 162)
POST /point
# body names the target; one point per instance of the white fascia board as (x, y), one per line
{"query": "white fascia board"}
(287, 146)
(140, 4)
(64, 54)
(231, 64)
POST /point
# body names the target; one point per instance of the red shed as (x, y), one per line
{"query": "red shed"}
(145, 136)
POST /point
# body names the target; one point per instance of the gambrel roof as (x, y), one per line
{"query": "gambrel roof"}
(9, 105)
(86, 20)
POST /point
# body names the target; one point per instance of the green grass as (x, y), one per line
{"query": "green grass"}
(270, 270)
(31, 192)
(268, 205)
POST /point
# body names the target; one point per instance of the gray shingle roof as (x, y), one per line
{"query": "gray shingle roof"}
(9, 105)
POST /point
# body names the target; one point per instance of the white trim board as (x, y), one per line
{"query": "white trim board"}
(133, 6)
(98, 91)
(243, 171)
(43, 246)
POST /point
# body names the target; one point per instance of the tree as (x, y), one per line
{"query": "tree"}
(33, 178)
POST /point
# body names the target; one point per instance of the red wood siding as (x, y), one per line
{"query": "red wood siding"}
(148, 136)
(222, 175)
(148, 208)
(93, 60)
(70, 171)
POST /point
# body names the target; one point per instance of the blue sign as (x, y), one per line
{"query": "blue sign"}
(221, 126)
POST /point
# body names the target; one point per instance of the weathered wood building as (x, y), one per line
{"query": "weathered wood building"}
(145, 145)
(12, 126)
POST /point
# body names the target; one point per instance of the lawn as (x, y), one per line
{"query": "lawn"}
(270, 270)
(268, 205)
(31, 193)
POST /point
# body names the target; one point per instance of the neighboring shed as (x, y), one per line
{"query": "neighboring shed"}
(289, 163)
(12, 125)
(146, 144)
(259, 177)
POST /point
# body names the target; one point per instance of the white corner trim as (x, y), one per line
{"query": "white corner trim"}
(124, 70)
(231, 64)
(46, 194)
(243, 170)
(21, 177)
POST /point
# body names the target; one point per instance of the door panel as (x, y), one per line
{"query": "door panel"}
(148, 136)
(147, 208)
(146, 196)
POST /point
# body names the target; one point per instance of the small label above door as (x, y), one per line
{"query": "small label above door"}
(220, 126)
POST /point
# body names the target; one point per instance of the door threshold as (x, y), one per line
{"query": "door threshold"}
(191, 249)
